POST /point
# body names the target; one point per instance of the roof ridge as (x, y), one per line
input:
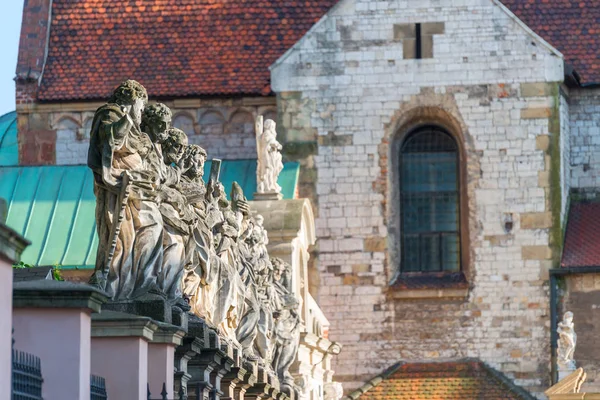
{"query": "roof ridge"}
(370, 384)
(507, 382)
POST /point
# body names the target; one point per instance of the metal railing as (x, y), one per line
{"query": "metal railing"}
(179, 396)
(97, 388)
(26, 376)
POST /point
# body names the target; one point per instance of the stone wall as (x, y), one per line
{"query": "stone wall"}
(347, 88)
(581, 296)
(585, 137)
(225, 128)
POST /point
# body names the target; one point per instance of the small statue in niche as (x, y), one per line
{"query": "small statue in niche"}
(270, 163)
(567, 340)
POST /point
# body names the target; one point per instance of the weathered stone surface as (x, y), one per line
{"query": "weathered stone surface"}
(375, 244)
(537, 89)
(536, 113)
(542, 142)
(536, 252)
(536, 220)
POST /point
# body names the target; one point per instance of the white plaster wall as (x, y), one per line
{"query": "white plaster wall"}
(351, 68)
(61, 339)
(6, 281)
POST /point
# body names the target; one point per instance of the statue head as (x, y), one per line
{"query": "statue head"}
(270, 128)
(156, 120)
(568, 318)
(259, 220)
(196, 156)
(280, 268)
(174, 146)
(131, 94)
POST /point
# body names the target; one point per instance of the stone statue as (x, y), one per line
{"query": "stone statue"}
(269, 157)
(333, 391)
(127, 175)
(178, 216)
(567, 340)
(287, 322)
(199, 272)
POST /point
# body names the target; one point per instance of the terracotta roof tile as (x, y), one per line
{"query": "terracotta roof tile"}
(461, 380)
(582, 236)
(176, 48)
(224, 47)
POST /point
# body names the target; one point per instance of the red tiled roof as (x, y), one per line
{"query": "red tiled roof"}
(463, 380)
(174, 48)
(571, 26)
(582, 237)
(224, 47)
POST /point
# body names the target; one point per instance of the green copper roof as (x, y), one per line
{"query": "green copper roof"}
(54, 206)
(9, 148)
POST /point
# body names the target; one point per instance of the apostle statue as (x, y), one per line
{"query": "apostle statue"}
(269, 157)
(567, 340)
(286, 335)
(127, 176)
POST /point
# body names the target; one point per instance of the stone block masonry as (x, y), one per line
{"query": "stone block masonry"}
(584, 106)
(493, 84)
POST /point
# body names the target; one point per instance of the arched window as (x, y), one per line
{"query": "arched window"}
(429, 196)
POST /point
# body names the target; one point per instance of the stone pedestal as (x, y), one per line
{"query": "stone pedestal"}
(11, 247)
(161, 358)
(267, 196)
(52, 320)
(564, 372)
(120, 353)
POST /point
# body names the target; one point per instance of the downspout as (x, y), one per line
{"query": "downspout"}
(553, 324)
(555, 273)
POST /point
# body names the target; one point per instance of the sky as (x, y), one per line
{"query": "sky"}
(10, 28)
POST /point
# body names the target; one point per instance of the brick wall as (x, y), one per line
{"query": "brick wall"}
(32, 48)
(225, 128)
(347, 87)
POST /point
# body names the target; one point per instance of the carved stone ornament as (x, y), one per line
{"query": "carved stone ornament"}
(164, 234)
(270, 163)
(567, 340)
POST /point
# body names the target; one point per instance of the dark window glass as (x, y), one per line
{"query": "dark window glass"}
(429, 202)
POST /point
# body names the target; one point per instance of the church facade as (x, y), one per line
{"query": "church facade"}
(443, 145)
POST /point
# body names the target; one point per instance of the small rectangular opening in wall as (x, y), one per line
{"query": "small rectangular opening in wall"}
(417, 39)
(418, 43)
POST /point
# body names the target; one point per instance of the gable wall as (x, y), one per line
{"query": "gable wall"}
(347, 87)
(585, 138)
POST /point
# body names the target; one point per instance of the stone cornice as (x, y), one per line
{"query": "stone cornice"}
(116, 324)
(11, 244)
(57, 294)
(169, 334)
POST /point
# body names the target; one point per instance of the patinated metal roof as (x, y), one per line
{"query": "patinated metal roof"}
(54, 206)
(9, 148)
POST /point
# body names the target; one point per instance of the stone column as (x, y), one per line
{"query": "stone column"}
(52, 320)
(11, 246)
(120, 353)
(161, 358)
